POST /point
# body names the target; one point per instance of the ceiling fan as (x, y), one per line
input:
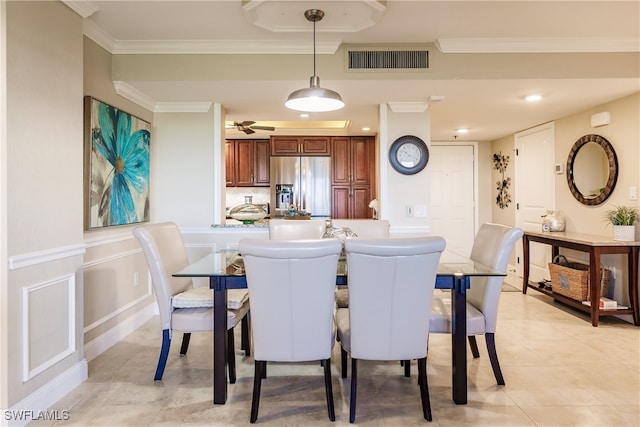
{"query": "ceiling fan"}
(248, 127)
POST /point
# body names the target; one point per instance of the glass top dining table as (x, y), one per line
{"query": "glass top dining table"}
(225, 270)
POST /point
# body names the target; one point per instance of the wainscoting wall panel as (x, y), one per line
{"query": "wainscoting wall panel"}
(49, 317)
(117, 286)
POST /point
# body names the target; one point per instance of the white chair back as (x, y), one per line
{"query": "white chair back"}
(291, 294)
(165, 253)
(365, 228)
(391, 285)
(493, 246)
(289, 229)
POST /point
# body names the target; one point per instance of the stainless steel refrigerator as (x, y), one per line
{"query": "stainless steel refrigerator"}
(302, 181)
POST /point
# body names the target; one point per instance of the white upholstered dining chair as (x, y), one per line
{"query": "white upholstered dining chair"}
(391, 285)
(361, 228)
(492, 246)
(365, 228)
(289, 229)
(291, 285)
(165, 254)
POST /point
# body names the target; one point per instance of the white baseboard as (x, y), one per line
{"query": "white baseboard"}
(25, 411)
(97, 346)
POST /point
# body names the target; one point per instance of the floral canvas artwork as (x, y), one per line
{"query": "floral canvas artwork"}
(116, 166)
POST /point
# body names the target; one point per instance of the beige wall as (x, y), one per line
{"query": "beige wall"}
(182, 158)
(404, 190)
(506, 146)
(624, 135)
(44, 207)
(78, 287)
(117, 288)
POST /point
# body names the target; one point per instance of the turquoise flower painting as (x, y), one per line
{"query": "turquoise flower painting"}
(118, 166)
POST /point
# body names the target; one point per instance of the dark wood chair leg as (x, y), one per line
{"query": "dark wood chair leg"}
(354, 387)
(245, 343)
(493, 357)
(407, 368)
(473, 344)
(328, 386)
(343, 362)
(424, 389)
(164, 354)
(257, 382)
(231, 356)
(186, 337)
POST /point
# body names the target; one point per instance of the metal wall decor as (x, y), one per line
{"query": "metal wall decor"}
(500, 163)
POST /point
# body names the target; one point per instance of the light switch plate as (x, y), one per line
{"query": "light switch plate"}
(633, 193)
(420, 211)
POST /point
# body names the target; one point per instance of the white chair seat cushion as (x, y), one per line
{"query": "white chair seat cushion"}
(342, 297)
(200, 319)
(440, 321)
(344, 331)
(203, 297)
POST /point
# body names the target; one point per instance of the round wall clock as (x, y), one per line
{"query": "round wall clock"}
(408, 154)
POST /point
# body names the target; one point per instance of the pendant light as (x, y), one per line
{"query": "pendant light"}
(314, 98)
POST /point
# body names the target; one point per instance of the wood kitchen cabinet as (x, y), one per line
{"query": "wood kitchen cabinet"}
(352, 176)
(247, 163)
(300, 146)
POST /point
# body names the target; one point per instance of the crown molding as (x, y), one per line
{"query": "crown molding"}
(84, 8)
(98, 35)
(537, 45)
(235, 47)
(134, 95)
(194, 47)
(408, 107)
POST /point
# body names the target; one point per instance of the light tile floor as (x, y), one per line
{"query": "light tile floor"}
(559, 371)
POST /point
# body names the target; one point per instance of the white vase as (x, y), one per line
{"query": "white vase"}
(624, 233)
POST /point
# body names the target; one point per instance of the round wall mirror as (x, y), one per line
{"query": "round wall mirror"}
(592, 169)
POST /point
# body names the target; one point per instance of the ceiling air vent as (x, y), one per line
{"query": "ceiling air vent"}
(388, 59)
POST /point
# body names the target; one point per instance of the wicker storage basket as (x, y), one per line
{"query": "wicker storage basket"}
(571, 279)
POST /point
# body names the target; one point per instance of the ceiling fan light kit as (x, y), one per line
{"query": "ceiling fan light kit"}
(314, 98)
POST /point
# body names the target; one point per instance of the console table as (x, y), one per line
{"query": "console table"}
(594, 246)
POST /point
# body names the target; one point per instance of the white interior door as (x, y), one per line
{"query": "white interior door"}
(535, 192)
(453, 213)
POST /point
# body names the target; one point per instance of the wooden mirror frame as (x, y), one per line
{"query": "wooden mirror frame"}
(613, 169)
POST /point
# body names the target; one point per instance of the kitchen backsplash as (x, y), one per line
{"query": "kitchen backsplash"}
(235, 195)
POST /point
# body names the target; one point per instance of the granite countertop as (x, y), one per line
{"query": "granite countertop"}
(263, 223)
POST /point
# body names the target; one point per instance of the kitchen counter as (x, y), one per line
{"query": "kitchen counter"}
(232, 223)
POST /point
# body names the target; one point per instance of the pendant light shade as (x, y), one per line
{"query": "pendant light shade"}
(314, 98)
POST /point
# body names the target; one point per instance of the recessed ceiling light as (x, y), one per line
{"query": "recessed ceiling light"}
(533, 98)
(365, 129)
(462, 130)
(304, 115)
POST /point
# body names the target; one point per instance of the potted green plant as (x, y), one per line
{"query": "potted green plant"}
(623, 219)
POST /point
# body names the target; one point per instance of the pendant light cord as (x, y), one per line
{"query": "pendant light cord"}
(314, 47)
